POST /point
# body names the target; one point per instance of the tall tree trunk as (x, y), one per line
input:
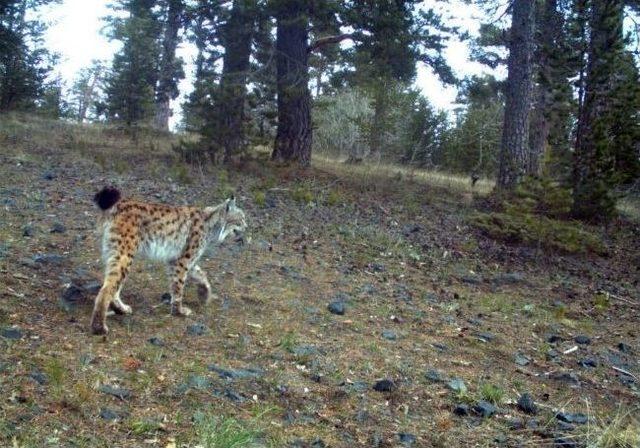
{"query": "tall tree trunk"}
(237, 34)
(379, 123)
(514, 157)
(170, 68)
(547, 35)
(87, 95)
(293, 138)
(592, 198)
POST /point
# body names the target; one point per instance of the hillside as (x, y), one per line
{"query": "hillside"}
(365, 311)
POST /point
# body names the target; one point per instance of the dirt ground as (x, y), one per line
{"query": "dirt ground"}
(365, 311)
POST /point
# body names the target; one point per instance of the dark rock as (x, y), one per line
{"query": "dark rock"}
(485, 336)
(527, 405)
(565, 442)
(165, 298)
(318, 443)
(336, 307)
(435, 376)
(39, 377)
(624, 348)
(49, 259)
(385, 385)
(457, 385)
(390, 335)
(72, 295)
(551, 354)
(406, 438)
(155, 340)
(28, 230)
(377, 267)
(532, 423)
(108, 414)
(49, 175)
(440, 347)
(117, 392)
(565, 427)
(515, 424)
(566, 377)
(471, 279)
(234, 396)
(92, 287)
(588, 362)
(522, 360)
(582, 339)
(552, 338)
(11, 333)
(235, 374)
(577, 418)
(484, 409)
(461, 409)
(197, 329)
(58, 227)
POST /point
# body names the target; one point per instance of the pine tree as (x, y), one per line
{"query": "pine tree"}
(170, 70)
(24, 62)
(131, 84)
(86, 89)
(514, 153)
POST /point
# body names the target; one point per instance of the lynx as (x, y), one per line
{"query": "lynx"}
(175, 235)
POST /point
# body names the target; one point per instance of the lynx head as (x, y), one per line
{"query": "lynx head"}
(233, 221)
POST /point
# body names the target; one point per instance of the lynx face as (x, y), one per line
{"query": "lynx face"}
(175, 235)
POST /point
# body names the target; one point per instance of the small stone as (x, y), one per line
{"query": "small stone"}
(48, 259)
(117, 392)
(406, 438)
(58, 227)
(461, 410)
(552, 338)
(385, 385)
(28, 230)
(588, 362)
(389, 335)
(108, 414)
(515, 424)
(577, 418)
(11, 333)
(440, 347)
(457, 385)
(566, 377)
(485, 336)
(197, 329)
(624, 348)
(234, 396)
(582, 339)
(527, 405)
(522, 360)
(49, 175)
(435, 376)
(165, 298)
(551, 354)
(562, 442)
(155, 340)
(39, 377)
(336, 307)
(484, 409)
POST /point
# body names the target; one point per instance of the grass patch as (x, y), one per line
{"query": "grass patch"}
(288, 342)
(491, 393)
(224, 432)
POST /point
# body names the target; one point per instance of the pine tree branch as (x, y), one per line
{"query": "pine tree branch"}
(329, 40)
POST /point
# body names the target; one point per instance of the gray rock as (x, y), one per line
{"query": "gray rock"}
(457, 385)
(197, 329)
(582, 339)
(515, 424)
(577, 418)
(155, 340)
(28, 230)
(336, 307)
(588, 362)
(440, 347)
(522, 360)
(624, 348)
(565, 442)
(552, 338)
(484, 409)
(389, 335)
(39, 377)
(385, 385)
(485, 336)
(235, 374)
(108, 414)
(13, 333)
(117, 392)
(435, 376)
(406, 439)
(461, 410)
(71, 296)
(527, 405)
(58, 227)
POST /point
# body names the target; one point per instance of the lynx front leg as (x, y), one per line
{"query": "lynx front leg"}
(177, 289)
(204, 287)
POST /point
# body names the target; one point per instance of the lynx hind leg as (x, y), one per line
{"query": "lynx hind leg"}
(119, 306)
(116, 273)
(204, 287)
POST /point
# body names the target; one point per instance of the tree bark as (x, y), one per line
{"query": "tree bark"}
(514, 152)
(238, 34)
(170, 69)
(294, 135)
(592, 198)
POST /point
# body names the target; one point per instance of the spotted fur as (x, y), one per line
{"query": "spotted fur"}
(175, 235)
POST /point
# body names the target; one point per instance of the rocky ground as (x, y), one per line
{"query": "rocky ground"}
(364, 312)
